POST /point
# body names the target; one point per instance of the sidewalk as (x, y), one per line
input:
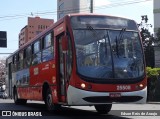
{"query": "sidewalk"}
(153, 102)
(6, 100)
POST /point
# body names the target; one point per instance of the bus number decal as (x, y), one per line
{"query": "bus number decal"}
(36, 72)
(46, 67)
(123, 87)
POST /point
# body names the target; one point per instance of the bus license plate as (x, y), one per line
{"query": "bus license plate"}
(115, 95)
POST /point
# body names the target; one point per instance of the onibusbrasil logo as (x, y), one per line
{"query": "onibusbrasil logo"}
(21, 113)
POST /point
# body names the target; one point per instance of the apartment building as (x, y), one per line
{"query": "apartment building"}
(35, 26)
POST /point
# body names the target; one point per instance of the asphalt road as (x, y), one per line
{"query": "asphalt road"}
(119, 111)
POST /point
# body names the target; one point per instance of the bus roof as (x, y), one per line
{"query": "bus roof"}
(93, 14)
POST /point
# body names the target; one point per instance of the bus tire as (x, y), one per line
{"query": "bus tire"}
(49, 102)
(18, 101)
(103, 109)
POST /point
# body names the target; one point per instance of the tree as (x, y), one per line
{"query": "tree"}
(147, 40)
(2, 71)
(158, 34)
(158, 37)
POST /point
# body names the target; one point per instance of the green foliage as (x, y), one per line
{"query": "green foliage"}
(153, 84)
(147, 40)
(151, 72)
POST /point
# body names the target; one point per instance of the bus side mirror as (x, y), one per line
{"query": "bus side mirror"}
(64, 43)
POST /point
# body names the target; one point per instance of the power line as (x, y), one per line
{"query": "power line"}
(101, 7)
(86, 8)
(12, 16)
(5, 53)
(7, 50)
(122, 4)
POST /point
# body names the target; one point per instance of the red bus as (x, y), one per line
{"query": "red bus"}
(83, 59)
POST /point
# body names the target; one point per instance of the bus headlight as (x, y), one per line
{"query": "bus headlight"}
(83, 85)
(141, 85)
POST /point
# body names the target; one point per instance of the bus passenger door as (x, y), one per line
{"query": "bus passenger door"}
(62, 77)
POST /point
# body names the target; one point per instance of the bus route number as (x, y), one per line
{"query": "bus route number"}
(123, 87)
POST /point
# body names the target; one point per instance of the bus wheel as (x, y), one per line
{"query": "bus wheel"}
(49, 103)
(18, 101)
(103, 109)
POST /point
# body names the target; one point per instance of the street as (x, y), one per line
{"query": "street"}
(36, 110)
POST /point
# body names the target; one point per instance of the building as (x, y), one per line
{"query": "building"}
(33, 28)
(156, 12)
(73, 6)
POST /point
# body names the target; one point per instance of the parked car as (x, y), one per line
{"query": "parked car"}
(3, 95)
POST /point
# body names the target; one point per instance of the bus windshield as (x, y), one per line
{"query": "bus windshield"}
(112, 53)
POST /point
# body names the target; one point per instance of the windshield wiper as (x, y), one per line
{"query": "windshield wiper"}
(121, 33)
(89, 27)
(109, 41)
(118, 39)
(117, 47)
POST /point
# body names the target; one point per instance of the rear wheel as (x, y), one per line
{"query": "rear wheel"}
(103, 109)
(18, 101)
(49, 102)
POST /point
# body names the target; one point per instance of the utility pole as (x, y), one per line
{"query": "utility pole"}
(91, 6)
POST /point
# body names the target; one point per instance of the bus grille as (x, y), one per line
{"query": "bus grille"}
(107, 99)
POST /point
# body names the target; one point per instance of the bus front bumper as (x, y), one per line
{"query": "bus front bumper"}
(81, 97)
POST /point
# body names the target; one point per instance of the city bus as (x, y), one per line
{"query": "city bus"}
(82, 60)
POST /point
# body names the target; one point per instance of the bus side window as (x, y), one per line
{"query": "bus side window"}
(27, 57)
(36, 53)
(16, 62)
(13, 64)
(21, 59)
(47, 47)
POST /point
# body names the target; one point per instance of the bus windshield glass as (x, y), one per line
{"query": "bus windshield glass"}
(109, 51)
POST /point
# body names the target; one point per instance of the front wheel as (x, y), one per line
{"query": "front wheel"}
(18, 101)
(103, 109)
(49, 102)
